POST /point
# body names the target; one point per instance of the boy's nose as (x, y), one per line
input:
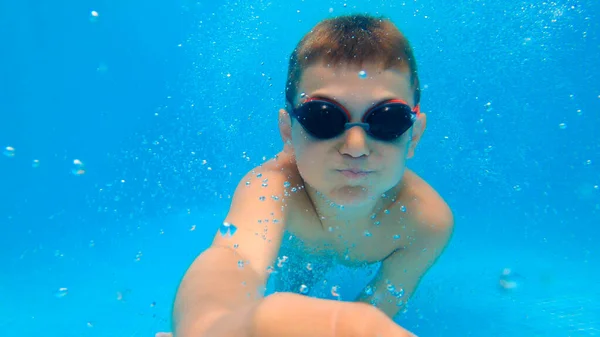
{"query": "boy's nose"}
(355, 142)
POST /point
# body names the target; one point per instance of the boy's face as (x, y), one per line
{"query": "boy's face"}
(354, 167)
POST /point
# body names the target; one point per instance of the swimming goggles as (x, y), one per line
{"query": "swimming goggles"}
(325, 119)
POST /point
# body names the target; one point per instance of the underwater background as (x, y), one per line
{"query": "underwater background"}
(126, 125)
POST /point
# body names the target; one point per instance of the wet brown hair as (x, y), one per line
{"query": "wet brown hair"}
(352, 40)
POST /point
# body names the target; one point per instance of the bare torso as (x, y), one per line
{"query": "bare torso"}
(312, 245)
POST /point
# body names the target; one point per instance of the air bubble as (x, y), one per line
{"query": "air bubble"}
(78, 168)
(335, 291)
(9, 151)
(227, 229)
(281, 261)
(61, 292)
(303, 289)
(488, 107)
(94, 16)
(509, 280)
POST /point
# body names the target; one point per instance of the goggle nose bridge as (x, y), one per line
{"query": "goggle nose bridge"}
(365, 126)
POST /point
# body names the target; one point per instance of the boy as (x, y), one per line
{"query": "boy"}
(337, 194)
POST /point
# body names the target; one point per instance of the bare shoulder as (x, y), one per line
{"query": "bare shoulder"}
(258, 214)
(267, 185)
(428, 211)
(282, 166)
(276, 175)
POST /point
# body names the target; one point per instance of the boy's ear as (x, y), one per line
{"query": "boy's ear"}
(285, 130)
(417, 132)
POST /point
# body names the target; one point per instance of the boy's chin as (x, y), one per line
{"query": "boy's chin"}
(351, 196)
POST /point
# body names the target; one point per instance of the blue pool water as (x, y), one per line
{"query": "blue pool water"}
(166, 104)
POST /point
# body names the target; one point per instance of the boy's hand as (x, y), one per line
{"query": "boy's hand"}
(293, 315)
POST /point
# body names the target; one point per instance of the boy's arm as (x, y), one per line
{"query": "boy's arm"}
(221, 297)
(402, 271)
(231, 274)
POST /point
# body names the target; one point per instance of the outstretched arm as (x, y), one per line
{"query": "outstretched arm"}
(230, 276)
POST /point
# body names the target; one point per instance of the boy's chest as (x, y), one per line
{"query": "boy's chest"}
(348, 243)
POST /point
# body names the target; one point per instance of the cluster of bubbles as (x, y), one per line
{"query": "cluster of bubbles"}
(78, 166)
(77, 169)
(398, 293)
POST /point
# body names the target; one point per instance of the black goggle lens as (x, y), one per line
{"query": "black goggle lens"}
(325, 120)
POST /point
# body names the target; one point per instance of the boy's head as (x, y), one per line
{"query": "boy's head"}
(351, 117)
